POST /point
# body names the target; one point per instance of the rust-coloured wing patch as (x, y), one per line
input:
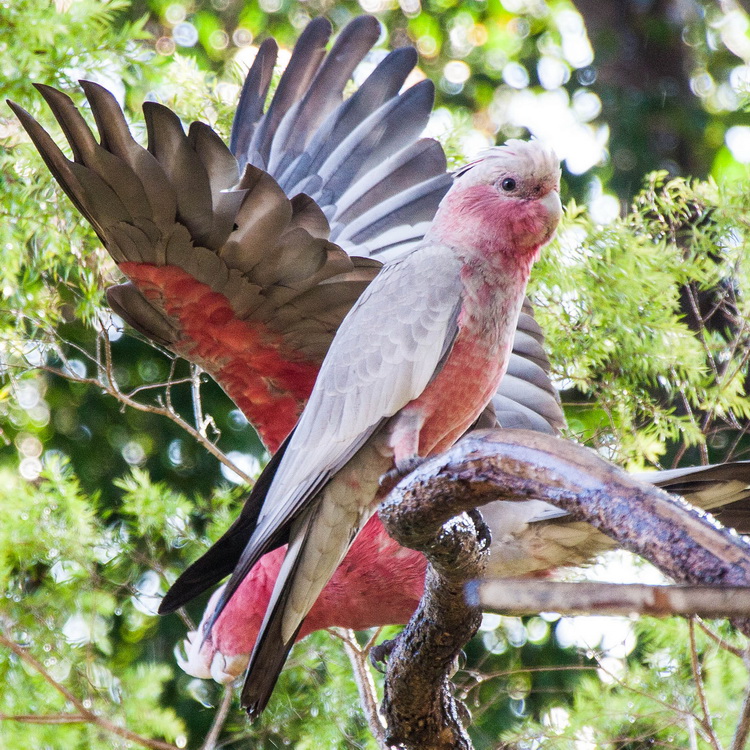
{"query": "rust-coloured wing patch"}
(268, 380)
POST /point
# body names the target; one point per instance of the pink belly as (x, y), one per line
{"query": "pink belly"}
(457, 396)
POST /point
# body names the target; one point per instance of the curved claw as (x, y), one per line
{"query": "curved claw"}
(484, 535)
(379, 654)
(402, 469)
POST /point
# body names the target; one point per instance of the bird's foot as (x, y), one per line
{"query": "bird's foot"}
(402, 468)
(379, 654)
(484, 535)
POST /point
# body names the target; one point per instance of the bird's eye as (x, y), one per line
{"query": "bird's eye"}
(508, 184)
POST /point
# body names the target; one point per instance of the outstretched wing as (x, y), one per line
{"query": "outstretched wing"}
(229, 252)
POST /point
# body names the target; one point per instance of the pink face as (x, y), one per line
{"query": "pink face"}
(507, 204)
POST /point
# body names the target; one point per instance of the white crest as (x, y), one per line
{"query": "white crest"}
(532, 159)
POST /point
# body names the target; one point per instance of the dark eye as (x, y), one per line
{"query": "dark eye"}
(508, 184)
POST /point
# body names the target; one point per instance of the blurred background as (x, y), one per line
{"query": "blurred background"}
(105, 497)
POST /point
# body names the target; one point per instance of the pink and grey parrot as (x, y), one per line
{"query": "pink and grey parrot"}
(230, 273)
(411, 368)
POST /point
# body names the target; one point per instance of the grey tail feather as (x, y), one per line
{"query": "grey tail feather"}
(413, 205)
(325, 91)
(736, 515)
(383, 84)
(726, 481)
(257, 546)
(264, 671)
(303, 64)
(688, 477)
(252, 99)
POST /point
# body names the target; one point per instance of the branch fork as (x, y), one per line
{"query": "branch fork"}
(431, 510)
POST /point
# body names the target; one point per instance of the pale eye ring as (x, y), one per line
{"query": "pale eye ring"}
(508, 184)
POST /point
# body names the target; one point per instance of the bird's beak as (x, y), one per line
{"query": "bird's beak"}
(551, 202)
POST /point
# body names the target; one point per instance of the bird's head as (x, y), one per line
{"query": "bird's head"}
(506, 200)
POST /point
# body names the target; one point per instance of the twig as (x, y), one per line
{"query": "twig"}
(693, 421)
(107, 382)
(181, 612)
(195, 389)
(88, 716)
(45, 718)
(742, 732)
(220, 718)
(368, 696)
(719, 641)
(695, 665)
(113, 390)
(672, 708)
(153, 386)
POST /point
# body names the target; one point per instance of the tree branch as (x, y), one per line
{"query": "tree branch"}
(517, 596)
(220, 717)
(44, 718)
(695, 665)
(84, 714)
(418, 702)
(518, 465)
(741, 733)
(368, 696)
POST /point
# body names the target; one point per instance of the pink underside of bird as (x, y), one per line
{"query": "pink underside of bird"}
(268, 381)
(378, 582)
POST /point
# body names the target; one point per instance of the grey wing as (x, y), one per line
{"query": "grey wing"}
(527, 398)
(386, 351)
(711, 487)
(723, 489)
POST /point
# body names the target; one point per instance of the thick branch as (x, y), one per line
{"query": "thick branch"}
(517, 465)
(513, 465)
(418, 703)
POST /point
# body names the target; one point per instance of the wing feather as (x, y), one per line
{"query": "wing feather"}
(352, 398)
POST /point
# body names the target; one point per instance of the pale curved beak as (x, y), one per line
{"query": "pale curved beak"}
(553, 211)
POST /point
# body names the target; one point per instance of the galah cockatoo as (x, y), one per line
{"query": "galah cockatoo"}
(256, 304)
(411, 368)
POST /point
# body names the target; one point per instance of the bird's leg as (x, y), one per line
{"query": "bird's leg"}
(403, 438)
(379, 654)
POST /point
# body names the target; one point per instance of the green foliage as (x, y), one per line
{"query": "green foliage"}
(651, 698)
(101, 505)
(611, 300)
(67, 608)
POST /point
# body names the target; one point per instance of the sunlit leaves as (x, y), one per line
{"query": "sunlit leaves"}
(613, 304)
